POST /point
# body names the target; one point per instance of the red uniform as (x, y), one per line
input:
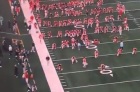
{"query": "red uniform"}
(41, 36)
(84, 62)
(54, 46)
(59, 34)
(119, 51)
(96, 41)
(35, 25)
(102, 66)
(59, 67)
(73, 59)
(31, 18)
(26, 76)
(73, 42)
(120, 12)
(115, 39)
(134, 51)
(96, 53)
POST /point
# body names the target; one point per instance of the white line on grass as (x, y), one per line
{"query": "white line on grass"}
(93, 56)
(98, 69)
(129, 81)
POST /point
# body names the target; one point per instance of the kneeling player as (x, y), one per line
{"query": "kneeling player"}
(134, 51)
(96, 53)
(59, 67)
(73, 59)
(84, 62)
(119, 51)
(115, 39)
(104, 69)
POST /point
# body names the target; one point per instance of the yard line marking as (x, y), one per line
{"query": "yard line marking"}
(131, 16)
(93, 56)
(129, 81)
(104, 43)
(98, 69)
(60, 76)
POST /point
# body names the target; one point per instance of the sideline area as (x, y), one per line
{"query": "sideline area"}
(49, 69)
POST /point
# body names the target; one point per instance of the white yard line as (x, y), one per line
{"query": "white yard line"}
(93, 56)
(91, 15)
(14, 34)
(129, 81)
(129, 66)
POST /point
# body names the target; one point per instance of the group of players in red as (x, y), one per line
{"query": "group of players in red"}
(83, 33)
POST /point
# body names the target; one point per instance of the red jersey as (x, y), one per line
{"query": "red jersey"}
(134, 49)
(119, 50)
(115, 39)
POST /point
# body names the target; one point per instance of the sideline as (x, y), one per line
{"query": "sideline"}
(42, 51)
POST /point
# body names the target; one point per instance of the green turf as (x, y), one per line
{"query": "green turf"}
(75, 75)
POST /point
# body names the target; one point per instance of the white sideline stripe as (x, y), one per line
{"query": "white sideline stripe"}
(103, 84)
(42, 51)
(98, 69)
(93, 56)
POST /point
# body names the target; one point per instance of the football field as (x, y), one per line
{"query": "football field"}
(125, 68)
